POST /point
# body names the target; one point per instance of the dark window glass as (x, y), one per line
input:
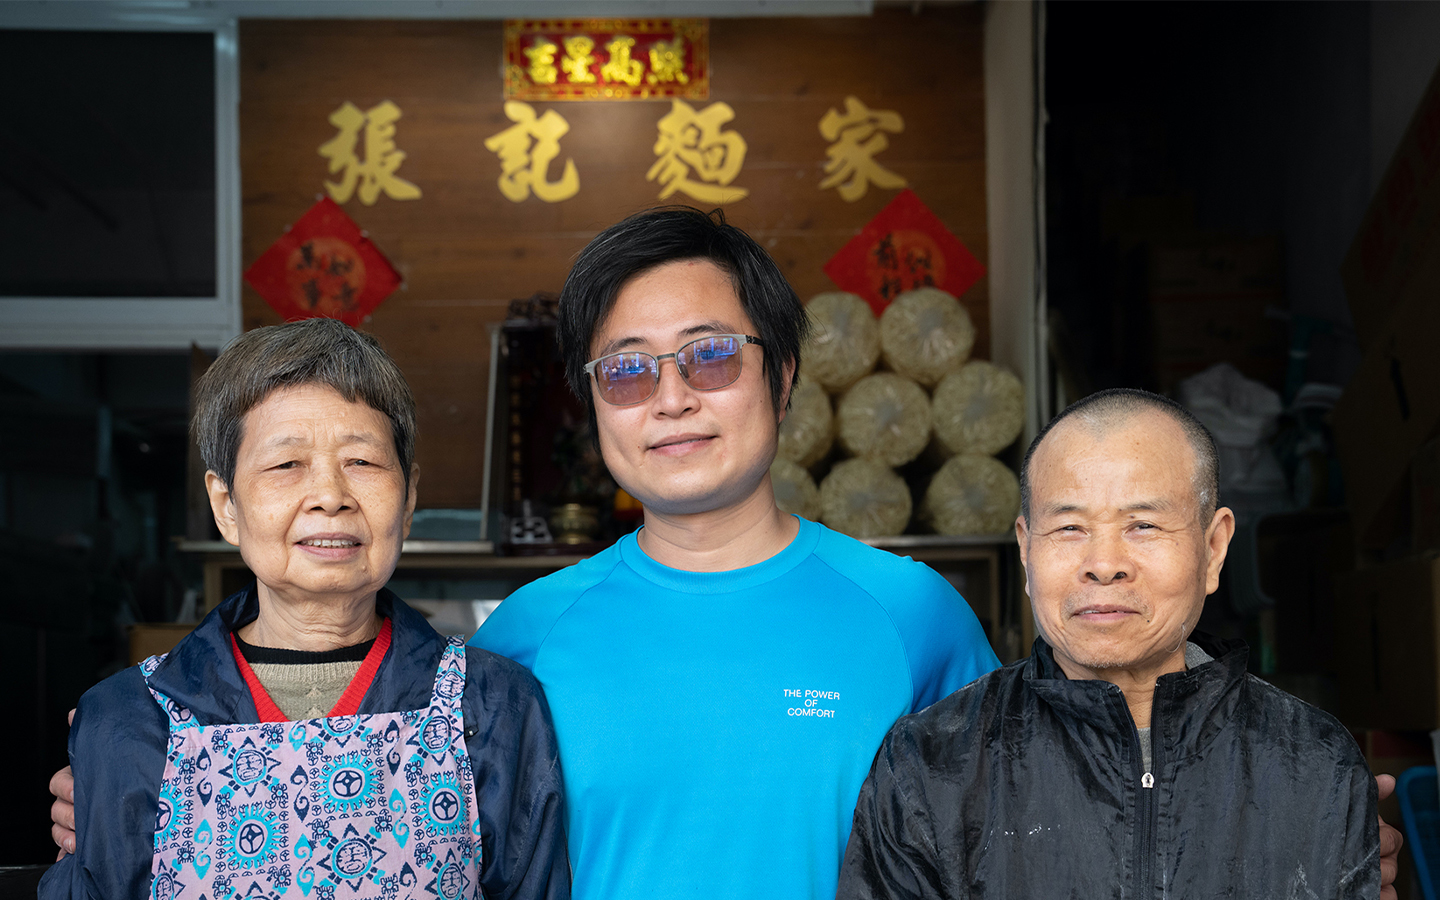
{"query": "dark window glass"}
(107, 164)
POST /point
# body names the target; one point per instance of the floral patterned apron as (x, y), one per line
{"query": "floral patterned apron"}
(378, 806)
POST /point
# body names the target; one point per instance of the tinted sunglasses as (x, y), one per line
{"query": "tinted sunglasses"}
(707, 364)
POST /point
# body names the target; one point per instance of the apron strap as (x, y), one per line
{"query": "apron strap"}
(450, 677)
(175, 714)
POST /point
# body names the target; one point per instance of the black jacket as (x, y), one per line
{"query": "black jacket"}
(1027, 784)
(118, 742)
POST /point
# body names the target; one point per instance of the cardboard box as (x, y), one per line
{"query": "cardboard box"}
(1401, 226)
(149, 639)
(1389, 409)
(1208, 303)
(1208, 266)
(1388, 660)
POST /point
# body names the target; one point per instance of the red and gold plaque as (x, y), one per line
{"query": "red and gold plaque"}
(607, 59)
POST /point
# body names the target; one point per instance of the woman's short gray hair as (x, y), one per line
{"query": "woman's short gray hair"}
(311, 351)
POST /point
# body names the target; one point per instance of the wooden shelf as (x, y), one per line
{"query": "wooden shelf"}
(470, 557)
(219, 558)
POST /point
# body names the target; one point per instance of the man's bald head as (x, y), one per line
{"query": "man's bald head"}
(1108, 409)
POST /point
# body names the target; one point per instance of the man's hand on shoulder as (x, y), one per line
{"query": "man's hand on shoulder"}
(62, 811)
(1390, 843)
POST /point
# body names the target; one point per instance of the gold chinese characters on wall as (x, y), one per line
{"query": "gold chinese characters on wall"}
(696, 154)
(372, 169)
(607, 59)
(856, 137)
(526, 150)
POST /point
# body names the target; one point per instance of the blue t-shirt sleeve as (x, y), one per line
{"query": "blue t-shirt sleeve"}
(499, 634)
(519, 626)
(943, 640)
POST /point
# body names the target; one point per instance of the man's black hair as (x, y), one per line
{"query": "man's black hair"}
(1118, 405)
(666, 234)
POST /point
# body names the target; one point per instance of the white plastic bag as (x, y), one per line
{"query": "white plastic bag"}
(1242, 415)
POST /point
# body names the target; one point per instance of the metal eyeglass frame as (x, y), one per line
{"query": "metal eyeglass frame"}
(589, 367)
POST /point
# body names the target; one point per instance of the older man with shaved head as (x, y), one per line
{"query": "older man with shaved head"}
(1129, 756)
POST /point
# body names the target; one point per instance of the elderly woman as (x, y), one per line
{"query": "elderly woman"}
(314, 735)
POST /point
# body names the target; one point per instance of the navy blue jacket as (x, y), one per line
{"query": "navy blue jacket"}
(118, 740)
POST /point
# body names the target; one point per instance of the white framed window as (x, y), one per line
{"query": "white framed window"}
(150, 283)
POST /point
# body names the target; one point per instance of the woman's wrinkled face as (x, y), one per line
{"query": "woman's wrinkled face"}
(319, 505)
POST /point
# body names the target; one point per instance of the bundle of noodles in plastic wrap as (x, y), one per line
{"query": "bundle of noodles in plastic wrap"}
(862, 498)
(844, 340)
(972, 495)
(925, 334)
(809, 426)
(884, 417)
(979, 409)
(795, 490)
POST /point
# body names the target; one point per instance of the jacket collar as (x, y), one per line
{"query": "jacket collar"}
(200, 673)
(1190, 707)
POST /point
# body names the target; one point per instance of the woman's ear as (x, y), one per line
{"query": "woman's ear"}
(411, 496)
(222, 506)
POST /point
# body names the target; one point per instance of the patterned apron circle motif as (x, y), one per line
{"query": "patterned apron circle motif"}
(375, 805)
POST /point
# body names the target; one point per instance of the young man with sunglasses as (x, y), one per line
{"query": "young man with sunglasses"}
(721, 679)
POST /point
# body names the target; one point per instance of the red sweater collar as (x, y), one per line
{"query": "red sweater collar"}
(349, 702)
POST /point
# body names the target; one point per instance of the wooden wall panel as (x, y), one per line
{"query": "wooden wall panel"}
(465, 251)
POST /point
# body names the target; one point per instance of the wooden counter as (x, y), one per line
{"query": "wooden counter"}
(959, 559)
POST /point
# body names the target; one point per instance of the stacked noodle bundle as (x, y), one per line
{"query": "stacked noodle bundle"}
(886, 418)
(972, 494)
(844, 340)
(925, 334)
(863, 498)
(933, 396)
(795, 490)
(978, 409)
(809, 427)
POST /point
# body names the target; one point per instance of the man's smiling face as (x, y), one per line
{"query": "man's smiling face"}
(1118, 561)
(683, 450)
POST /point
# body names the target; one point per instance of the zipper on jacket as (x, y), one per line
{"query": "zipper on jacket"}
(1146, 812)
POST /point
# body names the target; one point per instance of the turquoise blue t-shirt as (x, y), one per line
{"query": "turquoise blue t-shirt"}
(715, 727)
